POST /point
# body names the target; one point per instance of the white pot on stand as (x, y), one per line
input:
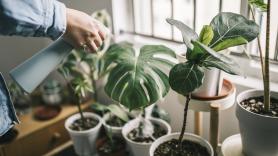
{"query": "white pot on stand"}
(84, 141)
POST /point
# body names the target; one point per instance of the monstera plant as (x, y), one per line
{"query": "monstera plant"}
(138, 78)
(225, 30)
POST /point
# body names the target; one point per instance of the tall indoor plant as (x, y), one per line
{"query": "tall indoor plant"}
(225, 30)
(257, 109)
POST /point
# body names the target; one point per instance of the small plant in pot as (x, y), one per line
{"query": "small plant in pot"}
(136, 80)
(114, 118)
(84, 126)
(257, 109)
(226, 30)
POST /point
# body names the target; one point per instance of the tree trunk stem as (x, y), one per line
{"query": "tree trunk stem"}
(188, 98)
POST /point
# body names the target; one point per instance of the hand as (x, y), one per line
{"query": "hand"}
(82, 32)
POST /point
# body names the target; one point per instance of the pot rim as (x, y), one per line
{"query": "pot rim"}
(104, 119)
(168, 127)
(72, 118)
(167, 137)
(249, 112)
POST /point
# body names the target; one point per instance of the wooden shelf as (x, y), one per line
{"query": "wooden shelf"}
(39, 137)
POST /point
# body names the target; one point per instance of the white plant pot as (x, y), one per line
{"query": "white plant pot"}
(187, 136)
(211, 84)
(141, 149)
(116, 131)
(259, 133)
(84, 141)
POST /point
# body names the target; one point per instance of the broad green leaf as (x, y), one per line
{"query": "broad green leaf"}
(219, 56)
(138, 79)
(211, 61)
(232, 27)
(206, 35)
(258, 4)
(184, 78)
(195, 55)
(118, 111)
(188, 34)
(230, 43)
(99, 107)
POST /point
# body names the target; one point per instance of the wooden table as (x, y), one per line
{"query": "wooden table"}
(37, 138)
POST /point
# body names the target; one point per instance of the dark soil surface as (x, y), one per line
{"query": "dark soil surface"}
(158, 132)
(256, 105)
(116, 122)
(89, 123)
(187, 148)
(108, 148)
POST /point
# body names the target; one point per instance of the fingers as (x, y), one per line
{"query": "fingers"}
(92, 47)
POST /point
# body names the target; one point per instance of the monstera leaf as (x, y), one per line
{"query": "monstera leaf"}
(139, 78)
(232, 29)
(184, 78)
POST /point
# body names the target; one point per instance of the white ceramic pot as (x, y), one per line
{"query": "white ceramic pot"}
(259, 133)
(116, 131)
(211, 83)
(141, 149)
(84, 141)
(187, 136)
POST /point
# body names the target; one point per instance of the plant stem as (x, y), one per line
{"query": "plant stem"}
(266, 80)
(259, 44)
(110, 133)
(80, 110)
(188, 98)
(95, 93)
(79, 102)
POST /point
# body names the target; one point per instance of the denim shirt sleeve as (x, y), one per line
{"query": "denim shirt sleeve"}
(8, 116)
(37, 18)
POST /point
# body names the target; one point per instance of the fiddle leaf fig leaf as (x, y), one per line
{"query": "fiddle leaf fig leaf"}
(206, 35)
(211, 61)
(260, 4)
(188, 34)
(118, 111)
(230, 43)
(232, 27)
(139, 79)
(219, 56)
(184, 78)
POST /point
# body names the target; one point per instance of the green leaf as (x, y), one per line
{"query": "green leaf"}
(184, 78)
(188, 34)
(206, 35)
(99, 107)
(138, 79)
(219, 56)
(211, 61)
(258, 4)
(230, 43)
(195, 55)
(234, 28)
(118, 111)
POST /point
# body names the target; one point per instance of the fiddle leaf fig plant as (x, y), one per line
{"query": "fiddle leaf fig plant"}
(225, 30)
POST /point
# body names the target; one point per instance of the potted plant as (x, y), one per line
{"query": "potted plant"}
(136, 80)
(225, 30)
(84, 126)
(257, 110)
